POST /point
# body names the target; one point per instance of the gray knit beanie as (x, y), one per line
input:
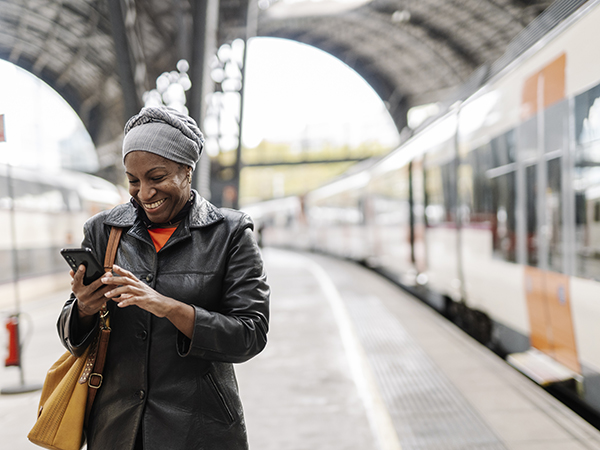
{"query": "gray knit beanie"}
(165, 132)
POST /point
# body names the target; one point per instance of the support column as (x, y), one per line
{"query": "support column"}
(251, 29)
(124, 67)
(204, 37)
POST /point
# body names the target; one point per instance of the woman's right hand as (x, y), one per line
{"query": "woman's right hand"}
(90, 298)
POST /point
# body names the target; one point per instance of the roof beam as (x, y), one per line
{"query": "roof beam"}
(81, 52)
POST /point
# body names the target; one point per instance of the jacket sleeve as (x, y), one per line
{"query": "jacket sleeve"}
(72, 334)
(239, 330)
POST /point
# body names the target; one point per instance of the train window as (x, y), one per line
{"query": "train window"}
(556, 127)
(37, 196)
(489, 173)
(531, 217)
(528, 142)
(587, 118)
(440, 194)
(478, 197)
(586, 183)
(4, 193)
(6, 260)
(390, 197)
(553, 210)
(503, 219)
(503, 149)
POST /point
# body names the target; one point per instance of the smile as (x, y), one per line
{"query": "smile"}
(154, 205)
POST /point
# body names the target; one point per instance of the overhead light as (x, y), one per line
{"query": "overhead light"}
(401, 16)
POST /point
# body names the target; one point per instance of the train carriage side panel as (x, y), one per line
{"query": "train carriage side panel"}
(388, 193)
(550, 98)
(336, 214)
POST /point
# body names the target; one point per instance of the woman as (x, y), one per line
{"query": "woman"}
(187, 298)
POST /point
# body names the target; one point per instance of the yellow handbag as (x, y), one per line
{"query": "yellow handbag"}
(62, 405)
(71, 384)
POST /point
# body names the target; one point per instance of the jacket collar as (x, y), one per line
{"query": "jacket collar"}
(202, 214)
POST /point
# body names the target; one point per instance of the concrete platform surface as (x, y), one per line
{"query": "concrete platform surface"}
(352, 363)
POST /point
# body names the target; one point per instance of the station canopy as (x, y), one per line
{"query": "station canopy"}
(411, 52)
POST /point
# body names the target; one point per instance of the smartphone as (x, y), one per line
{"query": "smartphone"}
(77, 256)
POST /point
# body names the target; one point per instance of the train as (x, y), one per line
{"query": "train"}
(40, 213)
(490, 212)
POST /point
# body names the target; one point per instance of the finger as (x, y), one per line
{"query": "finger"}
(107, 278)
(77, 282)
(118, 281)
(72, 273)
(80, 273)
(126, 300)
(119, 291)
(123, 272)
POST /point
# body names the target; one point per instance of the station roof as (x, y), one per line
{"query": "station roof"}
(411, 51)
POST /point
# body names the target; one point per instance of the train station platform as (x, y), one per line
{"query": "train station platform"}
(352, 363)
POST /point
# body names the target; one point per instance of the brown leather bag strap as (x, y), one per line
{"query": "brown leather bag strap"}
(95, 378)
(95, 363)
(111, 248)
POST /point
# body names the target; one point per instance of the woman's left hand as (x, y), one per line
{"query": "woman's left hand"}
(129, 290)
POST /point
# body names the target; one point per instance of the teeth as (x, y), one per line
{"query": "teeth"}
(154, 205)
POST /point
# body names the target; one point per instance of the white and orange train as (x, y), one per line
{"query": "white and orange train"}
(492, 210)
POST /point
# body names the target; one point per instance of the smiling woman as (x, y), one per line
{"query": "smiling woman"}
(187, 298)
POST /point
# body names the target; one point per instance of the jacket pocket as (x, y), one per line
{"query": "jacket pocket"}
(215, 402)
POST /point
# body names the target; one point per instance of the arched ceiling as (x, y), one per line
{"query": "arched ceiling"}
(411, 51)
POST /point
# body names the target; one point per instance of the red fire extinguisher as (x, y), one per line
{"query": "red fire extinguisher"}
(14, 347)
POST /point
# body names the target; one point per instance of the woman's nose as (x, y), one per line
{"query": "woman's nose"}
(146, 192)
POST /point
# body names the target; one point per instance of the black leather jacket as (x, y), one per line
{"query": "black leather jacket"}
(182, 392)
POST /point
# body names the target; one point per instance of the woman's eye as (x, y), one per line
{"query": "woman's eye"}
(158, 178)
(133, 181)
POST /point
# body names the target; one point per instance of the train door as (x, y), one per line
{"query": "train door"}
(543, 156)
(441, 202)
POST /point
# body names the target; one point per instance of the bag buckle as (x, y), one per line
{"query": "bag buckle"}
(99, 377)
(104, 318)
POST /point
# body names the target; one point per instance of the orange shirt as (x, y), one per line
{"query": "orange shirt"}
(160, 236)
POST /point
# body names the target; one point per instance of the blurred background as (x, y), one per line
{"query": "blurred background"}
(302, 104)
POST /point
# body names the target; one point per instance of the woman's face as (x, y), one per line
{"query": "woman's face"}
(158, 184)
